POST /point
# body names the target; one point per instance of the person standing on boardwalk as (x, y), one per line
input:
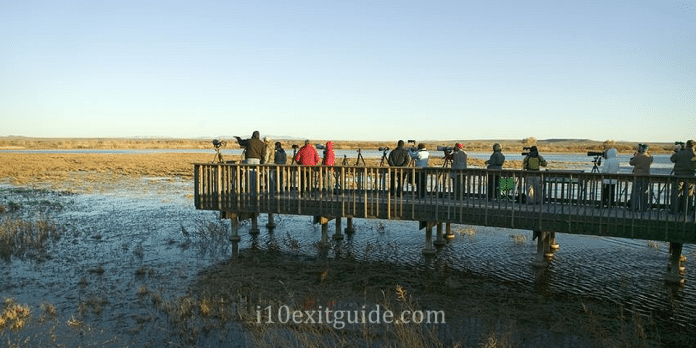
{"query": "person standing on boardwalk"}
(421, 156)
(532, 181)
(610, 166)
(684, 167)
(398, 157)
(496, 162)
(268, 155)
(459, 158)
(328, 160)
(641, 162)
(254, 148)
(306, 156)
(279, 158)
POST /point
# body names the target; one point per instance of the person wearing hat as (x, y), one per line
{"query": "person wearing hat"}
(532, 181)
(684, 166)
(641, 162)
(496, 161)
(458, 178)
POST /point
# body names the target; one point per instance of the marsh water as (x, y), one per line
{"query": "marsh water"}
(144, 233)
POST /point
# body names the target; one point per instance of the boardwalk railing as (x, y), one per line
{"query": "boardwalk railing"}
(655, 207)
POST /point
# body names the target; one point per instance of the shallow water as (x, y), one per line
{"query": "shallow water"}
(143, 234)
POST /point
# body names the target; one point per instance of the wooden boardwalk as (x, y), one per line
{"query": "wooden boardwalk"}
(571, 201)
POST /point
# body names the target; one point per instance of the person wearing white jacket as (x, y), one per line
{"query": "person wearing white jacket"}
(610, 166)
(421, 157)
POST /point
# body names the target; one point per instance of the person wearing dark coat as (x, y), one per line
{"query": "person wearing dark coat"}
(254, 148)
(398, 157)
(684, 168)
(496, 161)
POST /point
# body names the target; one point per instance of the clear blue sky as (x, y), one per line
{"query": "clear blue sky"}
(363, 70)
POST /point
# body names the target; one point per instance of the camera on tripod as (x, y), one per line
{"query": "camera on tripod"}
(383, 148)
(525, 150)
(217, 144)
(596, 153)
(295, 146)
(321, 147)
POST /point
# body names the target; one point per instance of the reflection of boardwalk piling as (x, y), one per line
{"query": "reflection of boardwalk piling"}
(571, 203)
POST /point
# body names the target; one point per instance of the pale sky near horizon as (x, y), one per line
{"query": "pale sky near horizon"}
(349, 70)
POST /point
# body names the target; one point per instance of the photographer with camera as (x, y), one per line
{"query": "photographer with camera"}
(459, 158)
(641, 162)
(496, 161)
(684, 161)
(532, 182)
(398, 157)
(254, 148)
(421, 156)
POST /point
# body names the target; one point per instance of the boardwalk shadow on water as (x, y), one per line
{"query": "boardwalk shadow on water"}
(150, 270)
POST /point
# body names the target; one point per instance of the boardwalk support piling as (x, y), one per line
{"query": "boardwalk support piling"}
(349, 225)
(324, 221)
(552, 241)
(271, 222)
(338, 235)
(234, 221)
(428, 250)
(439, 238)
(675, 268)
(254, 230)
(543, 248)
(448, 231)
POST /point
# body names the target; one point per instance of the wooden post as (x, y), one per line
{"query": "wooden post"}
(675, 268)
(349, 225)
(448, 231)
(552, 241)
(324, 234)
(542, 247)
(271, 222)
(429, 250)
(439, 238)
(235, 229)
(254, 224)
(338, 235)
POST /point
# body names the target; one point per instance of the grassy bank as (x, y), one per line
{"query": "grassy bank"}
(509, 145)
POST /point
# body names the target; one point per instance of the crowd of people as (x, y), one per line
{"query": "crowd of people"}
(257, 151)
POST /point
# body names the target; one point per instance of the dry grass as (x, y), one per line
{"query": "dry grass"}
(18, 235)
(14, 316)
(509, 145)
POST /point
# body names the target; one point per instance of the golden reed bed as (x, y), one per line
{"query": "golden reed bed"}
(77, 171)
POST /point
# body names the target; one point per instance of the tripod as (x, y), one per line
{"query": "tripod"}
(596, 163)
(447, 160)
(384, 158)
(359, 159)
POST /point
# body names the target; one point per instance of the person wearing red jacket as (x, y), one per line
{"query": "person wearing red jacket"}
(307, 156)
